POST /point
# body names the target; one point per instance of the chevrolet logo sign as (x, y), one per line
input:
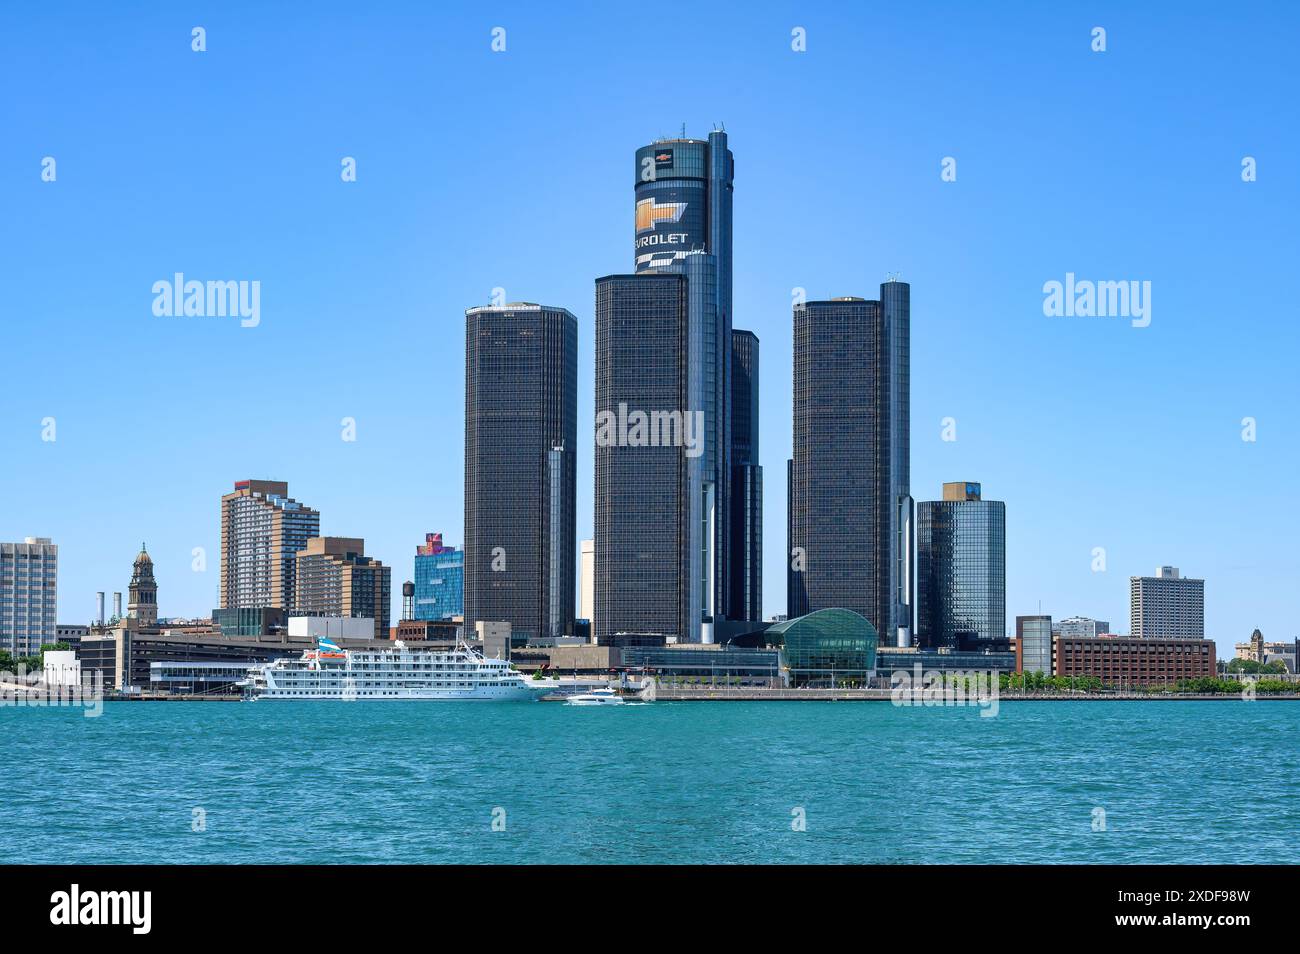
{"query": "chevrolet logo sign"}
(649, 214)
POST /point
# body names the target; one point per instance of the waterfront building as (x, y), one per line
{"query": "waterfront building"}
(892, 659)
(1034, 644)
(521, 393)
(648, 544)
(1081, 626)
(1122, 661)
(850, 513)
(142, 593)
(249, 622)
(1166, 606)
(335, 578)
(827, 647)
(29, 586)
(683, 226)
(745, 556)
(262, 530)
(961, 568)
(587, 581)
(334, 627)
(711, 664)
(439, 580)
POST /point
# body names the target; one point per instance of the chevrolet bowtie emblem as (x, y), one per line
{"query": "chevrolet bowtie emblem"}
(649, 214)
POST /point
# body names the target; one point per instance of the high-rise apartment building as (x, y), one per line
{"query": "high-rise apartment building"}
(439, 580)
(262, 530)
(1166, 606)
(334, 577)
(850, 534)
(29, 584)
(961, 568)
(745, 557)
(521, 383)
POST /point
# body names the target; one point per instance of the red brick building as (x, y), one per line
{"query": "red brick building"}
(1132, 661)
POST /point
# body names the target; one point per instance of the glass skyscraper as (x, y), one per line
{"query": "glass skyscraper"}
(1034, 644)
(682, 225)
(439, 580)
(521, 384)
(745, 558)
(850, 509)
(961, 568)
(647, 505)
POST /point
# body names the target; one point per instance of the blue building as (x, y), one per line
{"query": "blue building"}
(439, 579)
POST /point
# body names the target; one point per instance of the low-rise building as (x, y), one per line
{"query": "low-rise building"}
(1120, 661)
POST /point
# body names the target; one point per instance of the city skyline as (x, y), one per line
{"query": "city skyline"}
(1040, 444)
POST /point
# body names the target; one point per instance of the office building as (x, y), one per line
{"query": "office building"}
(1082, 626)
(521, 384)
(1166, 606)
(683, 225)
(1034, 644)
(850, 534)
(29, 590)
(439, 580)
(1124, 661)
(648, 543)
(335, 578)
(142, 594)
(745, 556)
(961, 568)
(262, 530)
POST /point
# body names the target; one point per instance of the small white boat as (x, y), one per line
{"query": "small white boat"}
(597, 697)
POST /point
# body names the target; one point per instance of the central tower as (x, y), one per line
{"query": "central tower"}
(682, 225)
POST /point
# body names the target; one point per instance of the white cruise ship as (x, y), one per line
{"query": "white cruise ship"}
(400, 674)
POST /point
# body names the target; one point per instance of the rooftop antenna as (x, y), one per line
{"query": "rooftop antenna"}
(683, 130)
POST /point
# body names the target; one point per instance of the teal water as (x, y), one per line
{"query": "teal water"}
(669, 782)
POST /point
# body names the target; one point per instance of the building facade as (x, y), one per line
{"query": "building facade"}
(1034, 644)
(961, 568)
(1082, 626)
(648, 545)
(262, 530)
(1166, 606)
(587, 580)
(1123, 661)
(683, 224)
(521, 393)
(745, 555)
(29, 595)
(335, 578)
(142, 594)
(439, 580)
(850, 534)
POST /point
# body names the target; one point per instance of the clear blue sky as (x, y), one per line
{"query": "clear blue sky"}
(479, 169)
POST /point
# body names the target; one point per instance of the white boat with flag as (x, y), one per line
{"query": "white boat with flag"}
(400, 674)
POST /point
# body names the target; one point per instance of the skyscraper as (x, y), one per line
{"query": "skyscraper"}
(334, 577)
(439, 580)
(262, 529)
(961, 569)
(682, 223)
(1167, 605)
(29, 583)
(142, 595)
(521, 383)
(587, 580)
(850, 509)
(745, 558)
(648, 504)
